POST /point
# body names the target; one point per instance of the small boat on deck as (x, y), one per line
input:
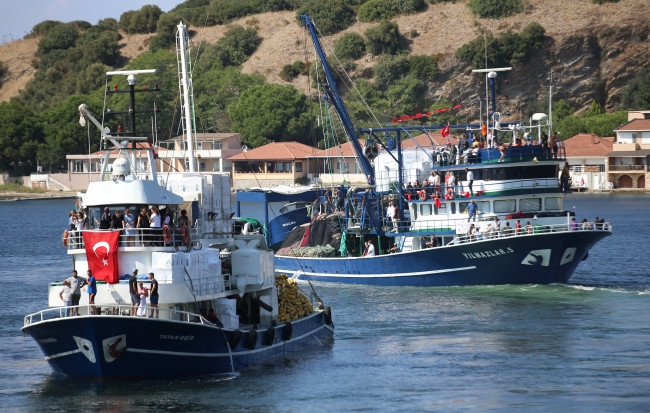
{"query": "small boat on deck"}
(220, 307)
(429, 240)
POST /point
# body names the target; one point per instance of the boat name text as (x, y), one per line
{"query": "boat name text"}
(487, 253)
(173, 337)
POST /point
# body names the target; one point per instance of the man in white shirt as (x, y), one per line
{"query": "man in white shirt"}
(470, 181)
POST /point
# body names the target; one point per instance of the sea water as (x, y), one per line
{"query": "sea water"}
(581, 347)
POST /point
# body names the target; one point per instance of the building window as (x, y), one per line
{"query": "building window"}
(298, 166)
(634, 136)
(202, 166)
(287, 167)
(78, 165)
(279, 167)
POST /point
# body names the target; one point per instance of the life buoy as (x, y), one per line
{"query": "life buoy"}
(65, 238)
(167, 234)
(423, 195)
(185, 235)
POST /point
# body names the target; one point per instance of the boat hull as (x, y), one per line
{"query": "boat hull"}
(112, 347)
(282, 225)
(523, 259)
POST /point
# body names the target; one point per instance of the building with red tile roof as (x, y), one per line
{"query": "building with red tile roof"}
(277, 163)
(629, 161)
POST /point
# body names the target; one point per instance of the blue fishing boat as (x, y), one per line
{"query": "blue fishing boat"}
(507, 226)
(219, 306)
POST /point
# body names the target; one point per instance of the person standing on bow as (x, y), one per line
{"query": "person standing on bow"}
(92, 291)
(75, 285)
(153, 295)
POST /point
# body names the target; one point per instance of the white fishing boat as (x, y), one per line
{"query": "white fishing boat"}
(220, 306)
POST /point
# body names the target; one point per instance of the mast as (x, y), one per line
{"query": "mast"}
(185, 90)
(333, 94)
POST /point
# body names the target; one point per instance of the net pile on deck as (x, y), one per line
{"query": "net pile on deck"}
(320, 238)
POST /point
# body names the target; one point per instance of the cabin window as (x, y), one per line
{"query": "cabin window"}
(425, 209)
(452, 206)
(553, 204)
(505, 206)
(483, 206)
(442, 210)
(530, 204)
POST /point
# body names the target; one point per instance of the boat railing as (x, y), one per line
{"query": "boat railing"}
(483, 188)
(534, 230)
(142, 237)
(114, 310)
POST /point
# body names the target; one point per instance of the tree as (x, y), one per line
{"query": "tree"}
(165, 32)
(271, 112)
(636, 95)
(220, 88)
(20, 133)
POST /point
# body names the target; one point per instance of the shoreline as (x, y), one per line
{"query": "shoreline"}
(12, 196)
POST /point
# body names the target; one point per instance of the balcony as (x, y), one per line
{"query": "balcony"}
(627, 168)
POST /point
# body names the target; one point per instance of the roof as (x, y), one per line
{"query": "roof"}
(424, 140)
(635, 125)
(345, 150)
(585, 144)
(641, 153)
(219, 136)
(276, 151)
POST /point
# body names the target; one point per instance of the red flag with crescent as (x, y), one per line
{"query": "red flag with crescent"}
(444, 131)
(101, 253)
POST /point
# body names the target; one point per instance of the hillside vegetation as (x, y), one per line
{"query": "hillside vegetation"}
(254, 70)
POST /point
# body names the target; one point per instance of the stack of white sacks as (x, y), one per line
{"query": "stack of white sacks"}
(199, 269)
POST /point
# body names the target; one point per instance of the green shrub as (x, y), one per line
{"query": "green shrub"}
(377, 10)
(165, 32)
(237, 45)
(350, 46)
(330, 16)
(495, 9)
(424, 68)
(3, 72)
(289, 72)
(389, 69)
(43, 27)
(385, 38)
(509, 48)
(144, 20)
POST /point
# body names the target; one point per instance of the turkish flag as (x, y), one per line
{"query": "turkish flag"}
(101, 253)
(444, 131)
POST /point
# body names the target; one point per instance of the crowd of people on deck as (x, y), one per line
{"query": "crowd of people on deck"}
(148, 226)
(70, 294)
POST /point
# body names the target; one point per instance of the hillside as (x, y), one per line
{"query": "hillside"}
(591, 50)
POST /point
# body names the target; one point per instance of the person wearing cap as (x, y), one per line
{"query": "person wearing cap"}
(133, 289)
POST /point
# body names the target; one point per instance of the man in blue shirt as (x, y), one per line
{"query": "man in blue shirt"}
(472, 209)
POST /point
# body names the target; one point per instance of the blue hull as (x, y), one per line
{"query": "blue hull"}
(284, 223)
(535, 259)
(87, 346)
